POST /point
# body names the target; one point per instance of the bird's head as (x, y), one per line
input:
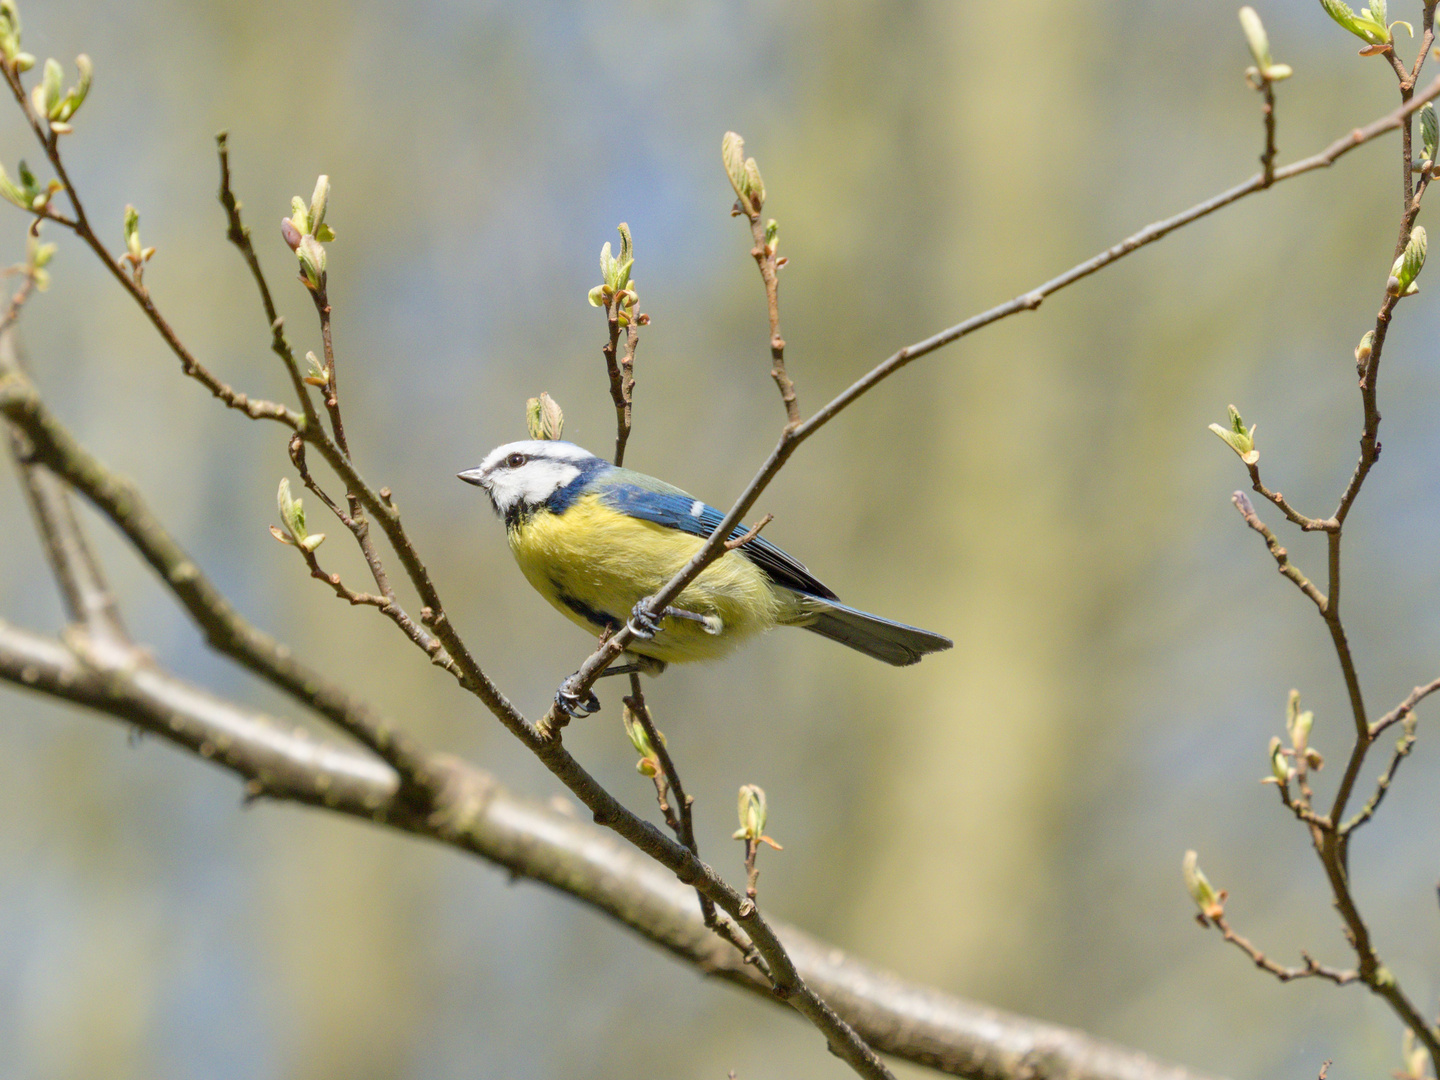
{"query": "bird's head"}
(521, 477)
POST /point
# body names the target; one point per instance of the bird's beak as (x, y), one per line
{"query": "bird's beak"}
(474, 476)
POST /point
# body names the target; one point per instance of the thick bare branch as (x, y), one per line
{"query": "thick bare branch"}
(536, 841)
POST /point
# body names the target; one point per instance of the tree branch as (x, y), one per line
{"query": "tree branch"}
(474, 813)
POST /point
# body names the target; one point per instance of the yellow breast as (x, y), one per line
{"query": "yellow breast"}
(595, 564)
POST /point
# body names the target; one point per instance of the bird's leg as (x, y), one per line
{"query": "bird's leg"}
(645, 626)
(642, 624)
(572, 704)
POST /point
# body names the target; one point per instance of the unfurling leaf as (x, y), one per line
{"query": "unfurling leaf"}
(1429, 131)
(1210, 902)
(732, 152)
(1298, 724)
(752, 812)
(649, 763)
(544, 418)
(1408, 266)
(1368, 28)
(1259, 43)
(292, 515)
(1238, 438)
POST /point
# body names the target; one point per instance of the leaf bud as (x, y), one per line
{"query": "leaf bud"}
(290, 234)
(300, 215)
(732, 152)
(23, 62)
(1369, 28)
(132, 232)
(754, 185)
(318, 375)
(1210, 902)
(292, 515)
(1259, 43)
(48, 90)
(1297, 723)
(1238, 438)
(1366, 346)
(772, 234)
(1408, 266)
(12, 192)
(318, 201)
(752, 813)
(544, 418)
(75, 96)
(1429, 131)
(1279, 768)
(311, 254)
(649, 763)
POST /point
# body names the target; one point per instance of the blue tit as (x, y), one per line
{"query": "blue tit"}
(596, 540)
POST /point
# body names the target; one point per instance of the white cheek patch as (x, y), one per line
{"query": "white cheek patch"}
(697, 508)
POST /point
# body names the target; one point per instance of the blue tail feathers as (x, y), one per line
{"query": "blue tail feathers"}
(893, 642)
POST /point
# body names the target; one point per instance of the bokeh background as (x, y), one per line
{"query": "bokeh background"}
(1005, 821)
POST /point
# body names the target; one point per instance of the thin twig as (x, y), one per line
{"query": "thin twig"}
(791, 439)
(764, 255)
(1281, 556)
(1310, 970)
(681, 823)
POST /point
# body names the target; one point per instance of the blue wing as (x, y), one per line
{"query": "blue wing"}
(644, 497)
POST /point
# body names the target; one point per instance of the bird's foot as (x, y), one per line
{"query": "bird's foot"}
(642, 624)
(645, 626)
(573, 704)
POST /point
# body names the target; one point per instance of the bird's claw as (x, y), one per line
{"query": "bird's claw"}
(642, 624)
(572, 704)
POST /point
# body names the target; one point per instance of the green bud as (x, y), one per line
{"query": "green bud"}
(543, 417)
(300, 215)
(1429, 131)
(12, 192)
(772, 233)
(313, 541)
(318, 374)
(318, 201)
(752, 813)
(1279, 767)
(75, 96)
(732, 152)
(48, 100)
(23, 61)
(1238, 438)
(627, 246)
(1366, 346)
(754, 185)
(597, 295)
(132, 232)
(292, 515)
(1207, 899)
(10, 36)
(42, 256)
(1259, 43)
(1297, 723)
(649, 763)
(311, 254)
(1369, 28)
(1408, 266)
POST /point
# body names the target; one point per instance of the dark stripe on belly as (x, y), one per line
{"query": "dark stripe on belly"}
(598, 619)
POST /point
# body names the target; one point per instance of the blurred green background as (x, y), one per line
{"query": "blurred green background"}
(1005, 821)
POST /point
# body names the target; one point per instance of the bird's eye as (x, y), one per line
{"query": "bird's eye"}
(514, 461)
